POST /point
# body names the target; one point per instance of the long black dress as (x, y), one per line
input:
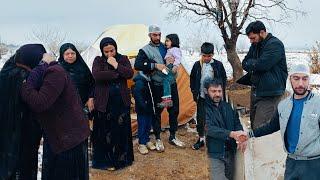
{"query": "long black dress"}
(112, 136)
(112, 133)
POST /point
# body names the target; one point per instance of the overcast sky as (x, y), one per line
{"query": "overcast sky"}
(83, 21)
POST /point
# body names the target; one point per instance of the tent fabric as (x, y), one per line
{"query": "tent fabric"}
(130, 38)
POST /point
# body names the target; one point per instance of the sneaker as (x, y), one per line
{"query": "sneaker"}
(111, 168)
(166, 102)
(143, 149)
(100, 166)
(159, 145)
(151, 146)
(199, 144)
(175, 141)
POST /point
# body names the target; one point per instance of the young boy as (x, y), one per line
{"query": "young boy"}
(206, 67)
(145, 111)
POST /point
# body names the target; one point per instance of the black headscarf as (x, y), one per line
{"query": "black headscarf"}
(30, 54)
(109, 41)
(13, 112)
(79, 72)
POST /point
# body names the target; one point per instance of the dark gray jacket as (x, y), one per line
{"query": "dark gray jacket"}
(220, 121)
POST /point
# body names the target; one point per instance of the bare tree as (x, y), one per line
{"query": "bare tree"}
(50, 37)
(314, 57)
(230, 16)
(197, 37)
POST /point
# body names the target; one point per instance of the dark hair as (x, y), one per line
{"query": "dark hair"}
(209, 82)
(255, 27)
(174, 39)
(207, 48)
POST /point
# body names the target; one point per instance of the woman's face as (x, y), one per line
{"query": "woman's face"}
(109, 51)
(70, 56)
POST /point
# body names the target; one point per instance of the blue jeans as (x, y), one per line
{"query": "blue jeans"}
(302, 169)
(222, 169)
(144, 126)
(167, 81)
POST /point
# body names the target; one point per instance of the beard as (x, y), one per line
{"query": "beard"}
(298, 91)
(259, 41)
(216, 99)
(155, 41)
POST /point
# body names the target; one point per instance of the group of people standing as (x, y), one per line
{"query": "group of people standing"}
(53, 100)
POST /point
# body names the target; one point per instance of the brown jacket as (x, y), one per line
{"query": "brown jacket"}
(103, 73)
(58, 108)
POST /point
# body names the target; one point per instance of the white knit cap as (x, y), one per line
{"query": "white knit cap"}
(154, 29)
(299, 68)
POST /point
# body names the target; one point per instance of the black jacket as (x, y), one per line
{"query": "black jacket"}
(266, 66)
(142, 95)
(220, 121)
(195, 77)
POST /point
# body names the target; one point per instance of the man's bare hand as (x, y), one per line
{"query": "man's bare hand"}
(160, 67)
(239, 136)
(242, 146)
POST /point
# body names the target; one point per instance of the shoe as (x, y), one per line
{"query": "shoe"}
(151, 146)
(175, 141)
(98, 165)
(166, 102)
(143, 149)
(159, 145)
(169, 103)
(199, 144)
(111, 168)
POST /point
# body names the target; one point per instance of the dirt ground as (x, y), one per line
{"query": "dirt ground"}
(175, 163)
(240, 97)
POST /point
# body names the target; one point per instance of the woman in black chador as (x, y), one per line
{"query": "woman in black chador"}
(71, 60)
(112, 139)
(20, 133)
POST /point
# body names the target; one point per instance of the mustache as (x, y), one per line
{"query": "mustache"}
(300, 87)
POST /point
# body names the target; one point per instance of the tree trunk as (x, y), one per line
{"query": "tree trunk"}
(234, 60)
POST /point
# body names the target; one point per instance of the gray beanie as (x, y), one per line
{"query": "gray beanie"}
(299, 68)
(154, 29)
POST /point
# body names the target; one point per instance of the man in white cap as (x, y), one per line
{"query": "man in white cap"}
(150, 60)
(297, 118)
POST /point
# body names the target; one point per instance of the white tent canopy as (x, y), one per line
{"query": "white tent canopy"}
(130, 38)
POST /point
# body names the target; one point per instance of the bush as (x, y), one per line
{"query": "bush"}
(314, 57)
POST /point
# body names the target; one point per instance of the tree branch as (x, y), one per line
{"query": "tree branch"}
(245, 14)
